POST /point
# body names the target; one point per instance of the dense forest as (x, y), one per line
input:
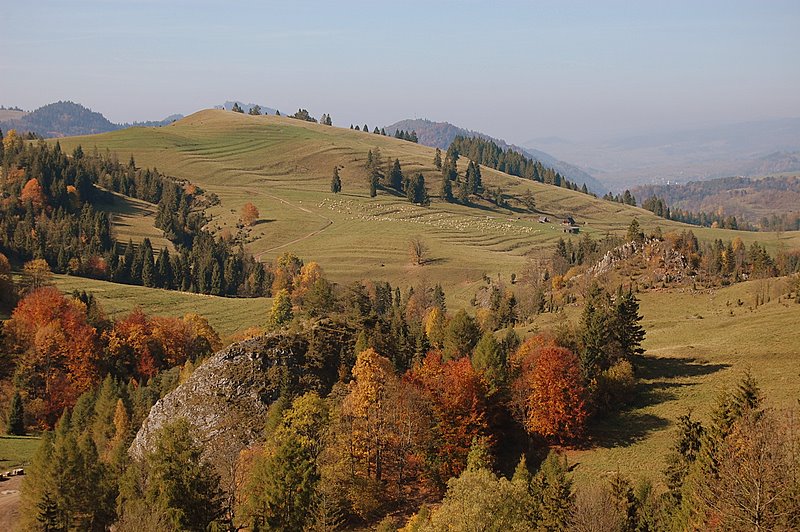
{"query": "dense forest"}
(53, 209)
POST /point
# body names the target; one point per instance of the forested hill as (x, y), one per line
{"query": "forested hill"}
(770, 203)
(64, 119)
(441, 134)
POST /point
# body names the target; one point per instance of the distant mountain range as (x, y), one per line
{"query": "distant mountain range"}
(441, 134)
(66, 119)
(744, 149)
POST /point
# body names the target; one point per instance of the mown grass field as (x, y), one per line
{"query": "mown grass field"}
(17, 451)
(283, 166)
(227, 315)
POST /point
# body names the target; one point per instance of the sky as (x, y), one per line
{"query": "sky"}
(517, 70)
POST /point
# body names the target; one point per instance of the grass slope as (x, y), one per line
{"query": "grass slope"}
(697, 344)
(284, 166)
(226, 315)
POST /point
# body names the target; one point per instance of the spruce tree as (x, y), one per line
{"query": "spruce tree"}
(446, 193)
(396, 176)
(16, 416)
(553, 492)
(148, 264)
(336, 181)
(628, 332)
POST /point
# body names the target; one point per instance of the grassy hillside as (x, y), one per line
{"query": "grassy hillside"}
(697, 344)
(284, 166)
(227, 315)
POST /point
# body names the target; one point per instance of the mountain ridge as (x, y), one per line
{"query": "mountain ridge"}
(67, 118)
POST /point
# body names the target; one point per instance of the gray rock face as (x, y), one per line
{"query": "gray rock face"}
(227, 398)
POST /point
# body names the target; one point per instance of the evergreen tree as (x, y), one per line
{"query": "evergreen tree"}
(217, 288)
(396, 176)
(148, 264)
(255, 111)
(16, 416)
(237, 108)
(553, 492)
(287, 482)
(446, 192)
(336, 181)
(437, 159)
(176, 479)
(373, 184)
(164, 270)
(628, 332)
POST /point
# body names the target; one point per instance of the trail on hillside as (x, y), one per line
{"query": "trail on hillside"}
(328, 223)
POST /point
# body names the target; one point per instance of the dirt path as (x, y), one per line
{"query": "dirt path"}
(328, 223)
(9, 503)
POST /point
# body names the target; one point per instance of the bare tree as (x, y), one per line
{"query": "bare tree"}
(419, 250)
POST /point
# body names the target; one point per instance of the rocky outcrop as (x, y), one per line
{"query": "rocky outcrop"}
(227, 398)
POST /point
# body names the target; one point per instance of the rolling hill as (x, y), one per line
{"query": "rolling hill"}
(283, 166)
(441, 134)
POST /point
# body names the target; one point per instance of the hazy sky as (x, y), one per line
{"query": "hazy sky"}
(517, 70)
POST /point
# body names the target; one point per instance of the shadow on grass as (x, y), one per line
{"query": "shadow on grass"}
(262, 222)
(659, 378)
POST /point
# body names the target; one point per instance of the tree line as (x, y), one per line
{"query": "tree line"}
(488, 153)
(54, 208)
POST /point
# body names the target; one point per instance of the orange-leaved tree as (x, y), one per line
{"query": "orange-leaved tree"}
(249, 213)
(548, 394)
(457, 394)
(58, 352)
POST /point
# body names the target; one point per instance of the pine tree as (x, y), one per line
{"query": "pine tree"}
(628, 332)
(16, 416)
(553, 491)
(446, 193)
(490, 360)
(216, 280)
(396, 176)
(149, 278)
(336, 181)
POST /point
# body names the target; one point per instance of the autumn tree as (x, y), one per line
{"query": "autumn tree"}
(458, 398)
(249, 214)
(548, 394)
(38, 273)
(57, 352)
(32, 192)
(418, 250)
(281, 308)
